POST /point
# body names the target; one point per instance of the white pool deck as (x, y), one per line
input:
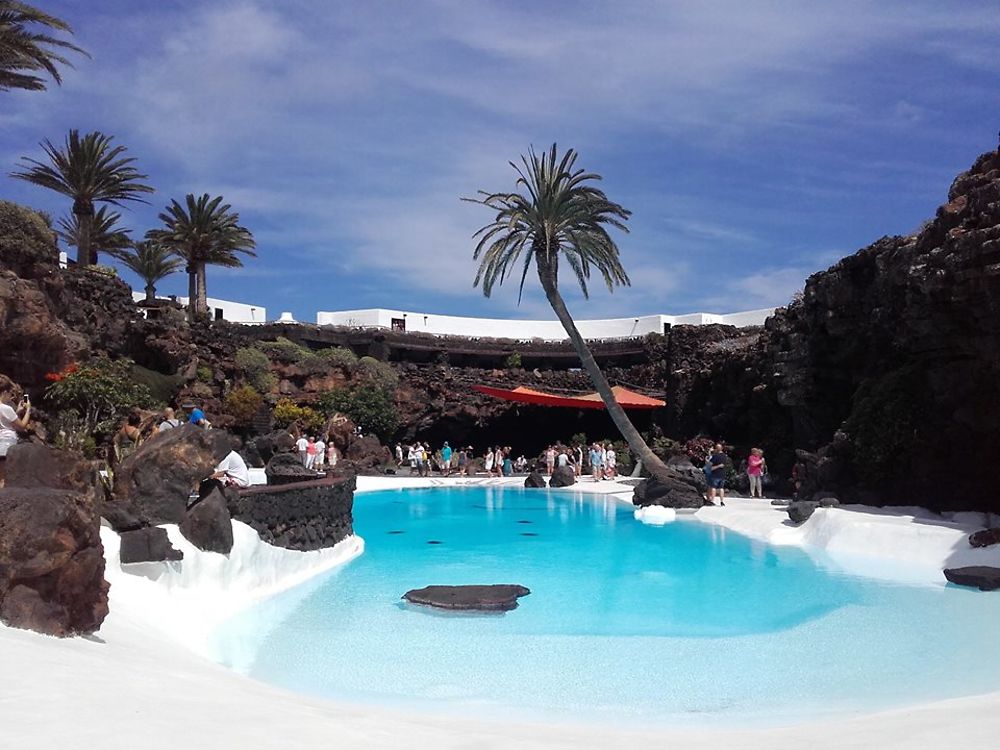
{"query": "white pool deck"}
(143, 681)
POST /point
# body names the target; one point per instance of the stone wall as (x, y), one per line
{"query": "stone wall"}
(300, 516)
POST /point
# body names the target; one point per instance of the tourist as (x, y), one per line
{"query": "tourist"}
(521, 464)
(446, 459)
(508, 465)
(399, 454)
(610, 462)
(418, 453)
(488, 462)
(332, 456)
(550, 459)
(12, 421)
(596, 462)
(463, 461)
(756, 468)
(562, 460)
(320, 454)
(232, 471)
(311, 453)
(578, 463)
(169, 421)
(717, 482)
(197, 418)
(126, 440)
(302, 446)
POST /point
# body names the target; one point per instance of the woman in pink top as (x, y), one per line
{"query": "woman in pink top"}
(311, 453)
(755, 470)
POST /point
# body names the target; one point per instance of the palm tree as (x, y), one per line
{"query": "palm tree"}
(89, 170)
(559, 214)
(152, 262)
(25, 52)
(105, 234)
(205, 231)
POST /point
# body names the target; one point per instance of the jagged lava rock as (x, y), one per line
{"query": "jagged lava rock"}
(286, 468)
(984, 538)
(150, 544)
(154, 483)
(207, 524)
(534, 480)
(491, 598)
(801, 510)
(562, 476)
(51, 561)
(983, 577)
(681, 490)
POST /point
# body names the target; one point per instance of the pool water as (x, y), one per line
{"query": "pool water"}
(625, 622)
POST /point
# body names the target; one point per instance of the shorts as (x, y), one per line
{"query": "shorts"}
(717, 483)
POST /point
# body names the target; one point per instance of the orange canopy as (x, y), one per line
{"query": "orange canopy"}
(626, 398)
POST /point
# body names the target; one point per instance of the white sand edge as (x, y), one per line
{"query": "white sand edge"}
(135, 685)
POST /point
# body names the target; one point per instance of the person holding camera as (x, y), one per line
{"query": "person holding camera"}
(11, 422)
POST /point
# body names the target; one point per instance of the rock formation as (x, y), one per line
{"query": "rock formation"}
(51, 556)
(493, 598)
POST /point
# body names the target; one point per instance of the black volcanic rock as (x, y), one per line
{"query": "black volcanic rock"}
(150, 544)
(562, 476)
(491, 598)
(985, 538)
(982, 577)
(535, 480)
(682, 490)
(801, 510)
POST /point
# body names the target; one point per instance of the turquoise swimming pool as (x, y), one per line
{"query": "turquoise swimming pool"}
(625, 622)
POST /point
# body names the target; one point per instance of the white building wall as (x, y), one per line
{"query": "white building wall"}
(546, 330)
(234, 312)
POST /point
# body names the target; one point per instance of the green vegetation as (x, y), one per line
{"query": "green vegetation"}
(89, 170)
(339, 356)
(254, 365)
(243, 403)
(100, 392)
(283, 350)
(25, 235)
(286, 412)
(204, 231)
(105, 234)
(27, 47)
(373, 372)
(69, 434)
(370, 406)
(513, 361)
(205, 374)
(151, 262)
(559, 216)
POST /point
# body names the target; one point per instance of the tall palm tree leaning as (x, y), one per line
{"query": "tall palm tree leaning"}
(105, 235)
(27, 51)
(152, 262)
(205, 231)
(559, 214)
(89, 170)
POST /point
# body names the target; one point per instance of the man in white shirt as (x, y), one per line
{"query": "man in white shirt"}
(611, 462)
(169, 420)
(320, 454)
(232, 471)
(302, 446)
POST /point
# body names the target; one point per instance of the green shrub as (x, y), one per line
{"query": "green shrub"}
(374, 372)
(242, 404)
(311, 363)
(283, 350)
(26, 237)
(513, 361)
(339, 356)
(254, 365)
(664, 447)
(205, 374)
(162, 387)
(101, 393)
(69, 433)
(369, 406)
(287, 412)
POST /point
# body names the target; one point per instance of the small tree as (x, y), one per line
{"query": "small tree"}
(242, 404)
(151, 262)
(27, 48)
(101, 392)
(369, 406)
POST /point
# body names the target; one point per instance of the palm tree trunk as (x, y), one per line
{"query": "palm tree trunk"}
(85, 216)
(150, 293)
(192, 290)
(635, 442)
(202, 308)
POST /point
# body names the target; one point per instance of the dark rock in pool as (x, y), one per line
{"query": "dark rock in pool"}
(800, 510)
(562, 476)
(535, 480)
(982, 577)
(985, 538)
(478, 598)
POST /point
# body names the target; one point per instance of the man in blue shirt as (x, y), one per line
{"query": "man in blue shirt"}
(446, 459)
(197, 418)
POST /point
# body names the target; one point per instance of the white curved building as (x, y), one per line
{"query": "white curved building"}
(544, 330)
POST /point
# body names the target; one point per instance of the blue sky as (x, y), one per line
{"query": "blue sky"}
(755, 142)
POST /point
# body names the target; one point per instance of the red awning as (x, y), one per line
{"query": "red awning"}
(628, 399)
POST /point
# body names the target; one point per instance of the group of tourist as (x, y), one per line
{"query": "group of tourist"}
(316, 453)
(423, 459)
(600, 458)
(716, 467)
